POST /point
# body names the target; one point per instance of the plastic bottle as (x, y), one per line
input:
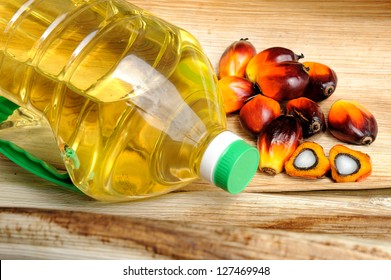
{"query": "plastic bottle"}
(130, 98)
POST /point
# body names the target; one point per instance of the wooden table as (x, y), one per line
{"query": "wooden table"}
(275, 217)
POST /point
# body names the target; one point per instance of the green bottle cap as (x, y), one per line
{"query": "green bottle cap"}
(229, 162)
(236, 167)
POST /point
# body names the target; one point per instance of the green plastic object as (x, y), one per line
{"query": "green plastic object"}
(26, 160)
(6, 108)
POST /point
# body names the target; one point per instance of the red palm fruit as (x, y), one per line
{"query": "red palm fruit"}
(309, 114)
(323, 81)
(350, 122)
(267, 57)
(283, 81)
(277, 142)
(235, 58)
(258, 112)
(235, 91)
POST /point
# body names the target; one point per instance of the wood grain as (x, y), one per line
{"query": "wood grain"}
(275, 217)
(179, 240)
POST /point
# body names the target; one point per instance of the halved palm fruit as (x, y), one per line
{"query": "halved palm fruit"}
(348, 165)
(308, 161)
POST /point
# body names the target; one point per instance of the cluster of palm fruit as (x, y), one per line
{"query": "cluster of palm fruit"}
(277, 98)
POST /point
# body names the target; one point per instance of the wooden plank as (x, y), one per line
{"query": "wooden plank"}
(365, 214)
(73, 234)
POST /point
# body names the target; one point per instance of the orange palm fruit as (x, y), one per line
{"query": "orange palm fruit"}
(308, 161)
(283, 81)
(323, 81)
(348, 165)
(269, 56)
(309, 114)
(235, 91)
(350, 122)
(235, 58)
(277, 142)
(258, 112)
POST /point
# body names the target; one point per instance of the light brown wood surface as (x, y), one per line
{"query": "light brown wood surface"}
(275, 217)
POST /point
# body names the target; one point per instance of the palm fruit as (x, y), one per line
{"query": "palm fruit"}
(258, 112)
(309, 114)
(283, 81)
(235, 91)
(269, 56)
(348, 165)
(323, 81)
(277, 142)
(235, 58)
(350, 122)
(308, 161)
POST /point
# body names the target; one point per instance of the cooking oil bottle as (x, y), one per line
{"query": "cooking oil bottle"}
(130, 98)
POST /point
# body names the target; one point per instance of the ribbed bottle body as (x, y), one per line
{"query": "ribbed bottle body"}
(130, 98)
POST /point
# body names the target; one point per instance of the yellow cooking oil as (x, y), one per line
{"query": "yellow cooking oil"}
(129, 97)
